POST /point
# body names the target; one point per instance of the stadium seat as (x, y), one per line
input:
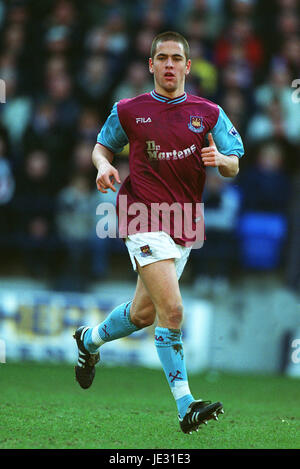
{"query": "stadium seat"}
(261, 238)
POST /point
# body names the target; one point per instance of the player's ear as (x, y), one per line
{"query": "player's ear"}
(188, 67)
(150, 65)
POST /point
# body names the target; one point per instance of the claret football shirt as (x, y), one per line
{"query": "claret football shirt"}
(165, 139)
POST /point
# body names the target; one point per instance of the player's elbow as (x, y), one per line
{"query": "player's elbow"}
(235, 172)
(229, 172)
(230, 168)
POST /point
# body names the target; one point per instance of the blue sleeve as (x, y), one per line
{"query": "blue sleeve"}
(226, 137)
(112, 134)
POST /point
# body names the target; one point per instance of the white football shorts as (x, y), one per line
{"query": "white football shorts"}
(155, 246)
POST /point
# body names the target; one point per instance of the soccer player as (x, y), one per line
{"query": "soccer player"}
(166, 131)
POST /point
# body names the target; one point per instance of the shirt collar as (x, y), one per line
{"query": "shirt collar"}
(164, 99)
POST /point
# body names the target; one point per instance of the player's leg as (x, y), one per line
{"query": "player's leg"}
(142, 310)
(121, 322)
(160, 280)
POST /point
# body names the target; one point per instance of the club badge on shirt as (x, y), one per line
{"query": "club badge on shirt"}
(146, 251)
(196, 124)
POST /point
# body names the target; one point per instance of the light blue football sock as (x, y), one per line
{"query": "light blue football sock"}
(117, 324)
(169, 347)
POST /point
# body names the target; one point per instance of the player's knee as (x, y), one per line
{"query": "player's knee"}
(174, 315)
(143, 322)
(144, 318)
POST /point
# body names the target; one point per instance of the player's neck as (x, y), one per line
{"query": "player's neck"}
(169, 94)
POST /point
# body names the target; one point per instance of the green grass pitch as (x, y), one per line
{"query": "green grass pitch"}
(42, 407)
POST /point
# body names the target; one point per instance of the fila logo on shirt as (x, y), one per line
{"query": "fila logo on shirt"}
(143, 120)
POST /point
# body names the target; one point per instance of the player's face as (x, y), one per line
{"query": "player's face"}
(170, 68)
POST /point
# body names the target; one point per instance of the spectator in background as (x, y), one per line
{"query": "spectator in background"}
(32, 208)
(86, 255)
(16, 105)
(81, 161)
(57, 40)
(265, 189)
(18, 13)
(136, 82)
(277, 114)
(44, 131)
(88, 125)
(213, 264)
(288, 23)
(143, 43)
(196, 29)
(62, 29)
(110, 40)
(238, 54)
(151, 15)
(103, 248)
(116, 38)
(7, 62)
(55, 65)
(265, 186)
(277, 85)
(98, 13)
(74, 218)
(266, 124)
(63, 13)
(2, 12)
(172, 11)
(7, 188)
(94, 79)
(289, 55)
(235, 77)
(239, 43)
(59, 90)
(287, 37)
(42, 127)
(204, 74)
(242, 8)
(236, 107)
(212, 13)
(14, 39)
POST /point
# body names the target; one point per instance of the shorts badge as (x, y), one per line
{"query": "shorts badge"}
(196, 124)
(146, 251)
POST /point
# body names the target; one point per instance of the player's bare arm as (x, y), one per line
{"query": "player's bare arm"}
(107, 174)
(228, 166)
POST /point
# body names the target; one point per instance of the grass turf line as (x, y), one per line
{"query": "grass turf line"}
(42, 407)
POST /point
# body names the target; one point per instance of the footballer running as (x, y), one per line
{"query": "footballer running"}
(173, 136)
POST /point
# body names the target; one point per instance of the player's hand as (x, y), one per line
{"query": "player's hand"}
(106, 178)
(210, 155)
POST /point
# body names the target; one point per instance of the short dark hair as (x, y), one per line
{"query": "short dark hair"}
(170, 36)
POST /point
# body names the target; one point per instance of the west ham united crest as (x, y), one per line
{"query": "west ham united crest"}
(146, 251)
(196, 124)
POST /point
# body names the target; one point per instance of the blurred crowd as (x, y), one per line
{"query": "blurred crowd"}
(64, 64)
